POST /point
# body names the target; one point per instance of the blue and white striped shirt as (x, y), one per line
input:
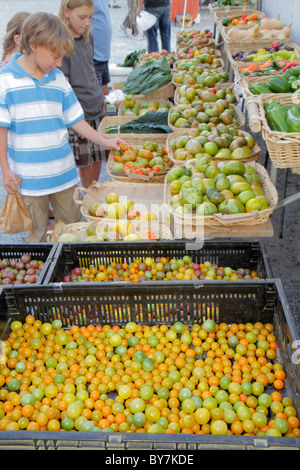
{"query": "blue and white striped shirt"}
(37, 115)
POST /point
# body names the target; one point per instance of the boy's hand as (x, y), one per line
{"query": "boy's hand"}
(114, 143)
(10, 182)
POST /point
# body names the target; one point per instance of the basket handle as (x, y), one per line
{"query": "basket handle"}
(76, 195)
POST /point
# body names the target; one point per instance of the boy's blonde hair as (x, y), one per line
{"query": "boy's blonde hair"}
(46, 30)
(71, 4)
(14, 27)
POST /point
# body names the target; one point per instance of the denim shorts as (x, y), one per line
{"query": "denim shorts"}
(102, 72)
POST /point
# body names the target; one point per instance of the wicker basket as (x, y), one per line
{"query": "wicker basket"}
(224, 12)
(161, 230)
(282, 98)
(176, 85)
(283, 148)
(203, 65)
(219, 220)
(218, 86)
(238, 65)
(114, 121)
(159, 101)
(240, 116)
(256, 150)
(217, 53)
(138, 140)
(209, 43)
(145, 196)
(164, 92)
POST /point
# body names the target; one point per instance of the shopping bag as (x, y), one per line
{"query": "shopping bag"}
(145, 20)
(14, 217)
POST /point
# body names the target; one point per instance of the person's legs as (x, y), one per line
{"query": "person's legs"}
(151, 34)
(165, 29)
(38, 208)
(64, 207)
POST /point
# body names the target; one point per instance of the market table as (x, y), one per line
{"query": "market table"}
(177, 8)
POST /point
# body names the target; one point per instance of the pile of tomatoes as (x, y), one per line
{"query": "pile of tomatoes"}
(207, 379)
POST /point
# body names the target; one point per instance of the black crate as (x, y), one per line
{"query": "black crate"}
(235, 254)
(40, 251)
(83, 304)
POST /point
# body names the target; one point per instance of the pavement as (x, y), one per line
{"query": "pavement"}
(283, 252)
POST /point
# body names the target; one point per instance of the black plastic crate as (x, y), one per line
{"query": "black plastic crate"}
(235, 254)
(41, 251)
(234, 302)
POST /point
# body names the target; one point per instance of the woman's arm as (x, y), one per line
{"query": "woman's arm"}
(10, 182)
(85, 130)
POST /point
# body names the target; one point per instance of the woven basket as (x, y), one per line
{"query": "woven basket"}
(283, 148)
(138, 140)
(160, 229)
(79, 229)
(218, 86)
(159, 101)
(217, 53)
(219, 220)
(238, 65)
(282, 98)
(240, 116)
(256, 150)
(145, 196)
(177, 85)
(210, 43)
(224, 12)
(114, 121)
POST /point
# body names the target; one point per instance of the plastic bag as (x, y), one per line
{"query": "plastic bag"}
(145, 20)
(14, 217)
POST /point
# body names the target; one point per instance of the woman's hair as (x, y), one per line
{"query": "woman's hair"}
(14, 27)
(71, 4)
(46, 30)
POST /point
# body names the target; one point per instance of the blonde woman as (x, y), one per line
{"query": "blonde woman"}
(80, 71)
(11, 41)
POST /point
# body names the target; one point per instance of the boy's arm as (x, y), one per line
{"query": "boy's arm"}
(140, 7)
(8, 177)
(85, 130)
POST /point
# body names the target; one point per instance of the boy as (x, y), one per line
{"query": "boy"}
(37, 105)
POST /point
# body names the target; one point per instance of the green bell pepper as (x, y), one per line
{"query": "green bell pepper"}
(276, 117)
(293, 119)
(259, 88)
(279, 84)
(296, 71)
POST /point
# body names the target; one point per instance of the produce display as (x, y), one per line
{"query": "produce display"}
(116, 207)
(193, 38)
(242, 19)
(204, 59)
(288, 82)
(190, 52)
(270, 67)
(148, 123)
(277, 51)
(265, 29)
(135, 108)
(141, 159)
(188, 94)
(204, 187)
(146, 227)
(158, 269)
(209, 379)
(284, 118)
(206, 110)
(204, 76)
(148, 77)
(231, 3)
(220, 142)
(24, 270)
(146, 56)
